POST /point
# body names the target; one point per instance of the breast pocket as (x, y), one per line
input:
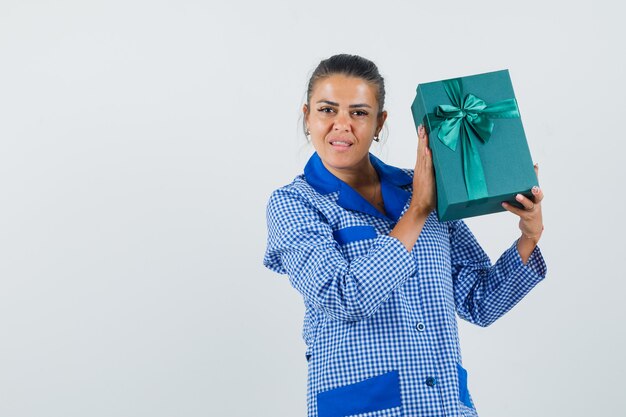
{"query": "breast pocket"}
(354, 233)
(355, 241)
(379, 395)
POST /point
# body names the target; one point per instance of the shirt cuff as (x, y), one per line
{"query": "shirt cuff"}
(536, 265)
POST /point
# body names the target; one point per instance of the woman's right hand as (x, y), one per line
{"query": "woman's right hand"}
(424, 191)
(410, 225)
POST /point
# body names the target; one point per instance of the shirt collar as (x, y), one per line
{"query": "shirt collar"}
(391, 179)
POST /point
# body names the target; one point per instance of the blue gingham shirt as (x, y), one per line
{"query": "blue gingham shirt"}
(380, 322)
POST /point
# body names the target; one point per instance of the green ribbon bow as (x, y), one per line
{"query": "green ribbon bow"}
(465, 120)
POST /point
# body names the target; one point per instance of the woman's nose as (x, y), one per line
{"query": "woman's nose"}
(342, 121)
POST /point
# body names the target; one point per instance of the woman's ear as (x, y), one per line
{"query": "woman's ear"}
(381, 121)
(305, 112)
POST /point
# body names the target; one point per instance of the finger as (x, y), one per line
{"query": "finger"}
(423, 140)
(428, 151)
(421, 133)
(536, 167)
(525, 201)
(537, 194)
(420, 143)
(514, 210)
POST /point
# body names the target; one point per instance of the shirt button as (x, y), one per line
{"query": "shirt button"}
(420, 327)
(431, 381)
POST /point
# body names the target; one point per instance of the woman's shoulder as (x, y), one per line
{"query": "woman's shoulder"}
(295, 204)
(297, 193)
(297, 187)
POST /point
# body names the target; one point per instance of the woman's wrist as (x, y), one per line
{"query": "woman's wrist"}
(526, 244)
(533, 237)
(419, 212)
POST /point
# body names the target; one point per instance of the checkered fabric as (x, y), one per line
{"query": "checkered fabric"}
(380, 323)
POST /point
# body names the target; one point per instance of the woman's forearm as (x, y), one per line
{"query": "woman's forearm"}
(409, 227)
(525, 246)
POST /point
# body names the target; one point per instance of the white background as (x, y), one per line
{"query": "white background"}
(139, 143)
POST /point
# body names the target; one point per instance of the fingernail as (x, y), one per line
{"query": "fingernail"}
(518, 197)
(535, 189)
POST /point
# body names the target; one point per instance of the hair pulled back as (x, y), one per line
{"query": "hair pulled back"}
(351, 66)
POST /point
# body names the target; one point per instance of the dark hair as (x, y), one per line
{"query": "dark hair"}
(351, 66)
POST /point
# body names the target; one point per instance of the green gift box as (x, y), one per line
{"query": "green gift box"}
(480, 154)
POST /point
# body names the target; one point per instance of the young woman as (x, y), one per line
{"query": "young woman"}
(381, 277)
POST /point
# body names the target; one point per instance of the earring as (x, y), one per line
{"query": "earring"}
(376, 138)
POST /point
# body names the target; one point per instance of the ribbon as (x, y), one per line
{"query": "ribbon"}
(464, 121)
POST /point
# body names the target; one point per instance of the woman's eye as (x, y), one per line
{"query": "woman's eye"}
(360, 113)
(326, 110)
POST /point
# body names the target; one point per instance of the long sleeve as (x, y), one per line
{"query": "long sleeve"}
(301, 245)
(484, 292)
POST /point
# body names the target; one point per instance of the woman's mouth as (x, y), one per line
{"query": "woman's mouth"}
(340, 144)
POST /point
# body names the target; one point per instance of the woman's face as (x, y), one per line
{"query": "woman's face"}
(343, 120)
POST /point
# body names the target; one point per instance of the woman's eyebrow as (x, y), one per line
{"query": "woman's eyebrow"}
(332, 103)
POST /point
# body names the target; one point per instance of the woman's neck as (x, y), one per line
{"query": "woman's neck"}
(358, 177)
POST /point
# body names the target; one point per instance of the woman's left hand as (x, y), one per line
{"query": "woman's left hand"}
(531, 221)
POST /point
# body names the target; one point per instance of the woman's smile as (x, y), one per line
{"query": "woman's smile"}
(341, 145)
